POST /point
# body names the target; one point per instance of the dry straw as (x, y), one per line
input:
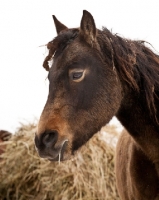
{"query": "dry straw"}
(25, 176)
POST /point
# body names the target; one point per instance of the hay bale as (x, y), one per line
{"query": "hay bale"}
(25, 176)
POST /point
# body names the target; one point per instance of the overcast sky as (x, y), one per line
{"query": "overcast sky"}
(27, 24)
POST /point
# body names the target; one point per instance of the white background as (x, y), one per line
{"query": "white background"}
(27, 24)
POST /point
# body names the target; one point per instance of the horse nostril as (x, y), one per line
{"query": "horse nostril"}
(50, 138)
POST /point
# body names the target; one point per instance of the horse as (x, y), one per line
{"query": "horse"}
(94, 76)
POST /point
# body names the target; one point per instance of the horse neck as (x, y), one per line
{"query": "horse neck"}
(138, 70)
(136, 119)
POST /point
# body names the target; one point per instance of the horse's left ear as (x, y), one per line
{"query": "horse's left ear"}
(59, 26)
(88, 27)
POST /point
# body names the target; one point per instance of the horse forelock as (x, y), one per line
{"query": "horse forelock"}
(58, 44)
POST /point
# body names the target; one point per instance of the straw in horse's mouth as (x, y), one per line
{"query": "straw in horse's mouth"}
(62, 150)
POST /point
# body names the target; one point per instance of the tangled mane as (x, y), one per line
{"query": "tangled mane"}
(135, 63)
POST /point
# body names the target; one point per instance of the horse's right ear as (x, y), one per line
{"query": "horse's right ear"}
(88, 28)
(59, 26)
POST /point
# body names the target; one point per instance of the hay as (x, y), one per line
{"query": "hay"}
(25, 176)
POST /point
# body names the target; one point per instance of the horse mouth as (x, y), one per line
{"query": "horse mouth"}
(61, 155)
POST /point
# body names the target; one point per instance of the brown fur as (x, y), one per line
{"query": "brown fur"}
(122, 79)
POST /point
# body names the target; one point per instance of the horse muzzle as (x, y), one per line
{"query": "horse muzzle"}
(49, 146)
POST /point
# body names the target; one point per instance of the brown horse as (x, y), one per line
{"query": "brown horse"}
(96, 75)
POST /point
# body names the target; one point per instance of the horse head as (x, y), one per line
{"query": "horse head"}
(84, 90)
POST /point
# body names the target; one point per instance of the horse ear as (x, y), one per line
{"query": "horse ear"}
(59, 26)
(88, 27)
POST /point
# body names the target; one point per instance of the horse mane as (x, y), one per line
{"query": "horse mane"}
(135, 63)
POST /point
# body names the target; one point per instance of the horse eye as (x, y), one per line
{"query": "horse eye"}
(77, 75)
